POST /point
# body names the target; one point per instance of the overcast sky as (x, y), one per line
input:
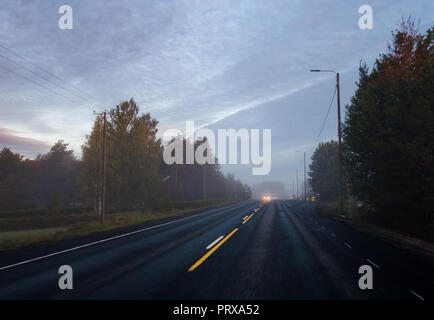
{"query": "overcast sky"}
(222, 63)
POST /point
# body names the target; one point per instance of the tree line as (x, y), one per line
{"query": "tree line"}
(388, 134)
(136, 175)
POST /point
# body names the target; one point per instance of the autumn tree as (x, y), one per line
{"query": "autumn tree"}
(389, 129)
(133, 158)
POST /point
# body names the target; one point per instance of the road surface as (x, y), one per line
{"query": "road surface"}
(249, 250)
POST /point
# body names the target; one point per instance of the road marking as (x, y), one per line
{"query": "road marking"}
(373, 264)
(214, 242)
(103, 240)
(198, 262)
(347, 245)
(333, 235)
(245, 217)
(248, 218)
(322, 227)
(417, 295)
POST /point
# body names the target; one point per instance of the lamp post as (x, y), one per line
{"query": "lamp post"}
(341, 187)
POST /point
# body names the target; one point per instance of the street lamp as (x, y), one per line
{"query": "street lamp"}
(341, 188)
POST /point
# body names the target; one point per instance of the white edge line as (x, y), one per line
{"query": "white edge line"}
(347, 245)
(245, 218)
(417, 295)
(373, 264)
(214, 242)
(104, 240)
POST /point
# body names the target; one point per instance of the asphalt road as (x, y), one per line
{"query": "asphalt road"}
(250, 250)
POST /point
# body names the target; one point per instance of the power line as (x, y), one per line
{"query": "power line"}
(46, 71)
(325, 119)
(42, 77)
(34, 82)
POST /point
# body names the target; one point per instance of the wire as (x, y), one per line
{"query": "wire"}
(42, 77)
(46, 71)
(325, 119)
(34, 82)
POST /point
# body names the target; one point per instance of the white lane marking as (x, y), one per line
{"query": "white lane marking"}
(245, 217)
(375, 265)
(333, 235)
(214, 242)
(417, 295)
(104, 240)
(322, 227)
(347, 245)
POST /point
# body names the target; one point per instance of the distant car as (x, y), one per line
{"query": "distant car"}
(266, 198)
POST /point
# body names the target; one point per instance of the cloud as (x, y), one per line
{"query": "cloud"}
(221, 63)
(26, 146)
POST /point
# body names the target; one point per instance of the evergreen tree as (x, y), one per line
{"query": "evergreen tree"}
(389, 129)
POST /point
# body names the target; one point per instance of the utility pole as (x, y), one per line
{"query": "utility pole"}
(304, 164)
(297, 183)
(204, 171)
(103, 167)
(304, 153)
(341, 186)
(204, 182)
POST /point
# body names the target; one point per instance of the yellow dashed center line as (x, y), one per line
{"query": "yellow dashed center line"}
(212, 250)
(248, 218)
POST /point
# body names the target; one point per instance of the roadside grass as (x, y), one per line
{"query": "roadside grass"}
(17, 236)
(67, 227)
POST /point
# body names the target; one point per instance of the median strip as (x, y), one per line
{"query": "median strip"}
(198, 262)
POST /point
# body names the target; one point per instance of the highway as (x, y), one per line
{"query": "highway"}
(250, 250)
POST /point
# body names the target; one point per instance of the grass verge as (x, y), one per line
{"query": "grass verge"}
(89, 224)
